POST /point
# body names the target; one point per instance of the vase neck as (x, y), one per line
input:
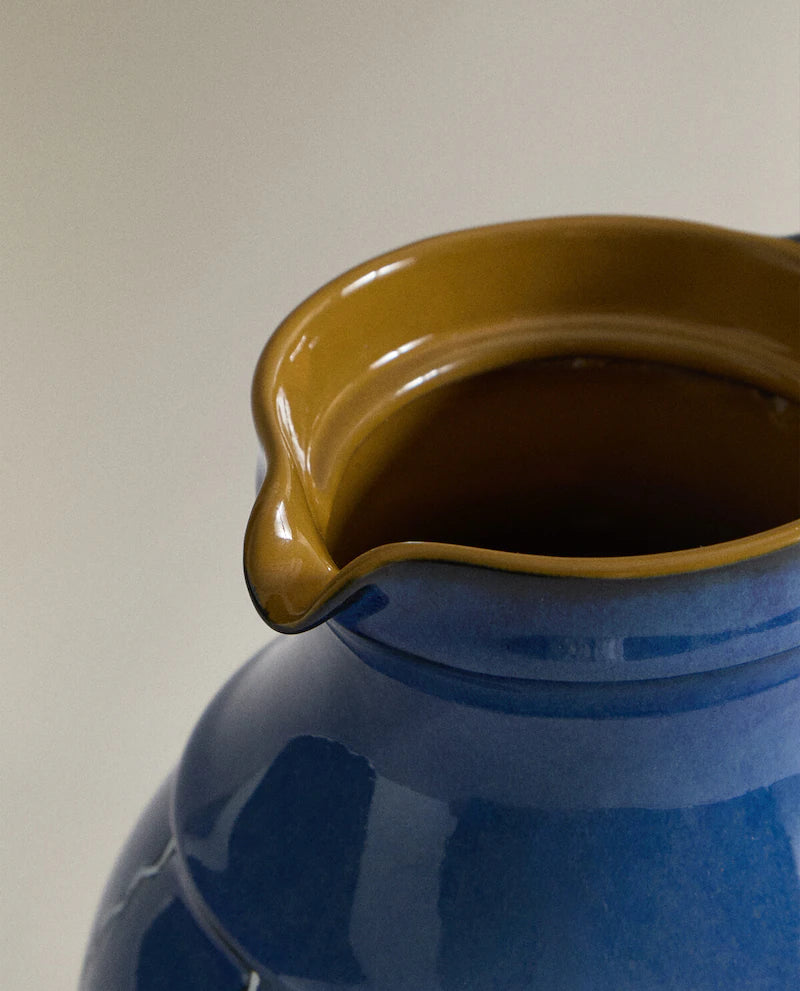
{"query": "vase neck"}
(554, 629)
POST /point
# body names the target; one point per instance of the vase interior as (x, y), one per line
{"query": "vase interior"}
(583, 456)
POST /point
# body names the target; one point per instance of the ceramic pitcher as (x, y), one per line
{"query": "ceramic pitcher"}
(531, 513)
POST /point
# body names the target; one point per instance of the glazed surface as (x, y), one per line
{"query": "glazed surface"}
(542, 730)
(385, 838)
(537, 780)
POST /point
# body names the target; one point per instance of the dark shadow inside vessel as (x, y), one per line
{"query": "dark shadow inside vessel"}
(580, 457)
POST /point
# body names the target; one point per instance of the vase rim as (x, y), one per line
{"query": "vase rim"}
(304, 403)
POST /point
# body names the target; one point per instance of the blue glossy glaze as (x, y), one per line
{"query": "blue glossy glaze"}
(369, 806)
(470, 779)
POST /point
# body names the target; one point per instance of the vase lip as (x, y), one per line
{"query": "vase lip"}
(302, 392)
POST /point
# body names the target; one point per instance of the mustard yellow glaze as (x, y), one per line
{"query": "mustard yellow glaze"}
(342, 383)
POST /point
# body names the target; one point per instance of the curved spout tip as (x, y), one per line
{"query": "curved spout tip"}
(286, 565)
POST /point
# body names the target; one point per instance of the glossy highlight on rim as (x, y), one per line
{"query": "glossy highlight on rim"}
(291, 574)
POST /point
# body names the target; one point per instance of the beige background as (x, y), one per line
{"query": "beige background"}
(175, 176)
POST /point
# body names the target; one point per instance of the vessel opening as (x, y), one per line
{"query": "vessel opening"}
(574, 457)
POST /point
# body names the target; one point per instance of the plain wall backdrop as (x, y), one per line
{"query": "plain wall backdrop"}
(174, 177)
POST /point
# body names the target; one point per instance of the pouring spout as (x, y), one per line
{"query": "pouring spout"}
(584, 397)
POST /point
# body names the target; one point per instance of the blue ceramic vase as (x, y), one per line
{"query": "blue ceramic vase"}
(532, 508)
